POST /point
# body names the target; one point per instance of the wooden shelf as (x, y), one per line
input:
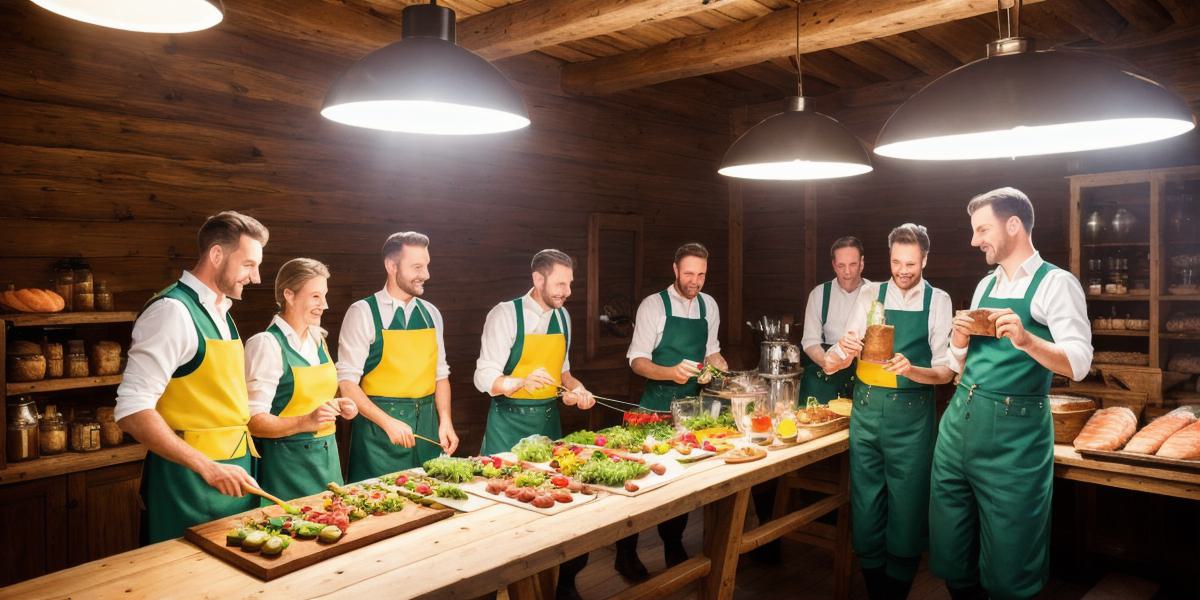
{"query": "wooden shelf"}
(1180, 297)
(1121, 332)
(69, 318)
(71, 462)
(1116, 244)
(54, 385)
(1120, 297)
(1180, 336)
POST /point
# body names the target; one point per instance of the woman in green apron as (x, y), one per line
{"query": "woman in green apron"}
(293, 388)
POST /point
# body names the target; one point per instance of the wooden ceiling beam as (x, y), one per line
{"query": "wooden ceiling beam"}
(1097, 19)
(527, 26)
(1147, 15)
(918, 52)
(823, 24)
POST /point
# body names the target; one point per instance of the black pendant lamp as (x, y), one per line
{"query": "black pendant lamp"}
(797, 144)
(425, 83)
(149, 16)
(1021, 102)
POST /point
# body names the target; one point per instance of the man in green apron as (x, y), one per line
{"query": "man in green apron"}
(524, 366)
(891, 426)
(675, 333)
(825, 319)
(183, 394)
(993, 465)
(392, 364)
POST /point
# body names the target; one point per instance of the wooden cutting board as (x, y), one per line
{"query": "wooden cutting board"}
(302, 553)
(1146, 460)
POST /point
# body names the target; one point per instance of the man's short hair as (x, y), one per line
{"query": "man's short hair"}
(691, 249)
(397, 241)
(226, 228)
(910, 233)
(543, 262)
(846, 241)
(1005, 202)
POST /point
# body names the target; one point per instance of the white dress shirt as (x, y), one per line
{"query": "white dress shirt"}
(164, 339)
(500, 331)
(840, 303)
(1058, 303)
(652, 318)
(358, 333)
(264, 361)
(941, 315)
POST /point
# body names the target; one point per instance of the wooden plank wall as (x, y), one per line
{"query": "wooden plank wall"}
(114, 147)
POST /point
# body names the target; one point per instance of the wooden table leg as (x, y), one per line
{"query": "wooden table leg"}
(723, 524)
(540, 586)
(841, 545)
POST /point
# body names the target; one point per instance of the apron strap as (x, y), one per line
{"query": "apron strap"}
(825, 292)
(666, 300)
(882, 297)
(514, 353)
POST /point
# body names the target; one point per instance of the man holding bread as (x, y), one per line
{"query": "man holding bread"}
(993, 465)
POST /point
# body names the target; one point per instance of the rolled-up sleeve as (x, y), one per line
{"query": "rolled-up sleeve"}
(713, 345)
(264, 368)
(439, 324)
(856, 321)
(813, 336)
(940, 323)
(354, 342)
(645, 328)
(499, 333)
(1060, 303)
(163, 339)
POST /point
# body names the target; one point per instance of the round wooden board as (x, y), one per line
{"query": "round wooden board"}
(759, 454)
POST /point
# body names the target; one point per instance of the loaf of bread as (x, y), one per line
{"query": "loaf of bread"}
(1062, 404)
(32, 300)
(1184, 363)
(106, 358)
(879, 343)
(1108, 429)
(980, 323)
(1152, 436)
(1183, 444)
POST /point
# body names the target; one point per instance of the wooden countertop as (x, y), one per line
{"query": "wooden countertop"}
(1068, 464)
(465, 556)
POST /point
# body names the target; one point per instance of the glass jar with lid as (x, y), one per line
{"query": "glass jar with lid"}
(21, 432)
(52, 434)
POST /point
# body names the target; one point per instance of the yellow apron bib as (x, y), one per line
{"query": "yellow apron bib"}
(408, 367)
(542, 351)
(312, 386)
(209, 407)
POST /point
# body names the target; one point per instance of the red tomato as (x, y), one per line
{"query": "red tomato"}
(559, 481)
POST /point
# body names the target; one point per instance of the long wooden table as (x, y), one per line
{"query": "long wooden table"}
(473, 554)
(1068, 464)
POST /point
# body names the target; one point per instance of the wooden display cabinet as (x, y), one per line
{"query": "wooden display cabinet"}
(1128, 230)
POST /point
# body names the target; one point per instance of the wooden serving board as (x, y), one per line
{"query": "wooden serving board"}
(302, 553)
(1147, 460)
(808, 433)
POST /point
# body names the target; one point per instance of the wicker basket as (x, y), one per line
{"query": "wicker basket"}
(1069, 414)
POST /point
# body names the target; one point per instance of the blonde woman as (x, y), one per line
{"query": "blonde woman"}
(292, 381)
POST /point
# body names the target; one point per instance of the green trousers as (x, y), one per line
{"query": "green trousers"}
(177, 498)
(891, 448)
(993, 475)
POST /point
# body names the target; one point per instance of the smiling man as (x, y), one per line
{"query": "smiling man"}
(183, 394)
(891, 426)
(993, 467)
(392, 364)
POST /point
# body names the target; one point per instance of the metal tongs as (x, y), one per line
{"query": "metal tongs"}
(614, 404)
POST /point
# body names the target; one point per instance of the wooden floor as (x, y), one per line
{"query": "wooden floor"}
(804, 574)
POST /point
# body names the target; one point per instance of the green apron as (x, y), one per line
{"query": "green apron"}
(372, 452)
(815, 382)
(993, 466)
(301, 464)
(176, 497)
(682, 338)
(510, 419)
(891, 447)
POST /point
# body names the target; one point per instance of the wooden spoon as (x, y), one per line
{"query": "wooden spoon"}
(287, 508)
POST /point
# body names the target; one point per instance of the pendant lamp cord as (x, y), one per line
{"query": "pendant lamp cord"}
(1012, 18)
(799, 78)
